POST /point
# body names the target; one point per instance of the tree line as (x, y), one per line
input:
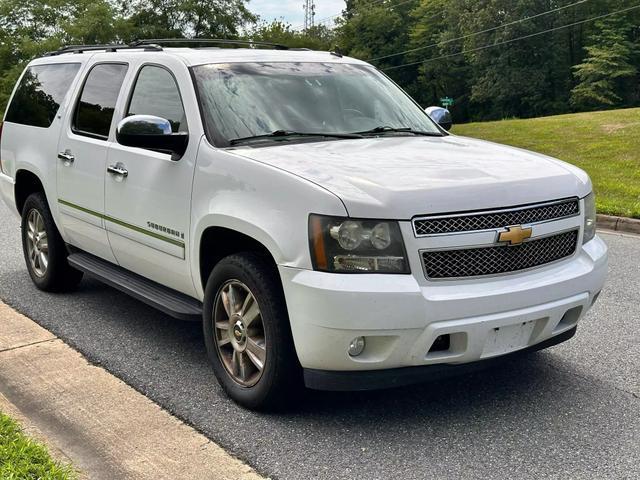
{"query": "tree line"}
(491, 57)
(495, 58)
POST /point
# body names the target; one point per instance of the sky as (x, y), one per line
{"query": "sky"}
(292, 10)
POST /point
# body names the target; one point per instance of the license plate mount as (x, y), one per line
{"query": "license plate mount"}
(508, 338)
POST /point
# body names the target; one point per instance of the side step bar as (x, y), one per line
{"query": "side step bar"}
(173, 303)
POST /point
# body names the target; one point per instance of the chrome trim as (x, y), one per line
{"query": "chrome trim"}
(490, 245)
(118, 169)
(476, 213)
(496, 275)
(66, 156)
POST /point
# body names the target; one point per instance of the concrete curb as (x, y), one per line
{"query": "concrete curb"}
(619, 224)
(106, 428)
(34, 433)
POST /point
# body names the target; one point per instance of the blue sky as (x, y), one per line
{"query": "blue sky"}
(292, 11)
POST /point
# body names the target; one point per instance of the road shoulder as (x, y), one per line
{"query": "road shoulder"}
(86, 415)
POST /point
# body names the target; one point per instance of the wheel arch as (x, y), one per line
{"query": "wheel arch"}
(217, 242)
(26, 183)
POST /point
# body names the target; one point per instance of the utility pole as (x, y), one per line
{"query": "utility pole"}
(309, 14)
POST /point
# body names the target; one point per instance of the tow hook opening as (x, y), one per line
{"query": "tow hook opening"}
(569, 319)
(441, 344)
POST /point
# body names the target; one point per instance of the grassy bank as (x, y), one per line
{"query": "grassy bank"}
(605, 144)
(22, 458)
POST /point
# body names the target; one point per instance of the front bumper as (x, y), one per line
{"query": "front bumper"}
(400, 377)
(401, 317)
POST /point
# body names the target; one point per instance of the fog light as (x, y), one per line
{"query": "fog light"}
(356, 346)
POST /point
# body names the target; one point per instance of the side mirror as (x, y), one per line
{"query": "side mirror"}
(151, 133)
(441, 116)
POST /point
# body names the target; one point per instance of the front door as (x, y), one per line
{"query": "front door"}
(148, 203)
(82, 158)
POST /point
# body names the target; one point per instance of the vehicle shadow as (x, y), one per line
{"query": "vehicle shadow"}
(503, 382)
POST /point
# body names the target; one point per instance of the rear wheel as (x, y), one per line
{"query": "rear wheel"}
(247, 333)
(44, 250)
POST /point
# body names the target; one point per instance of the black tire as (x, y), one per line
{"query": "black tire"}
(281, 378)
(58, 276)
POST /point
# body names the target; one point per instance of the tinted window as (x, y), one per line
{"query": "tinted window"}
(40, 93)
(98, 100)
(156, 93)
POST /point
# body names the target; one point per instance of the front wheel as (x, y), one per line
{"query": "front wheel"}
(247, 333)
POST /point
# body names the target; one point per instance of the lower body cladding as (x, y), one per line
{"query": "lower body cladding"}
(409, 326)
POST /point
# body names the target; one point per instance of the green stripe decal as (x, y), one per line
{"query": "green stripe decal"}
(122, 223)
(82, 209)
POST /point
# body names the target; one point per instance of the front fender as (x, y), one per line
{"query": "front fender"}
(266, 203)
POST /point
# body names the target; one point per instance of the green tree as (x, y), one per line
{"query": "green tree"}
(372, 30)
(467, 49)
(317, 38)
(376, 29)
(28, 28)
(435, 25)
(188, 18)
(609, 63)
(514, 78)
(497, 58)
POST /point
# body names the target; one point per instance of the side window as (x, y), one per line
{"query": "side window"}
(98, 100)
(156, 93)
(40, 93)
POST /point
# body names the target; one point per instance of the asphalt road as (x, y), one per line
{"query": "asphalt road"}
(572, 411)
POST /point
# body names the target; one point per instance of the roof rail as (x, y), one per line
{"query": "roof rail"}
(207, 41)
(105, 47)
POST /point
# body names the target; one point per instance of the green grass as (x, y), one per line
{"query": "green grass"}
(22, 458)
(605, 144)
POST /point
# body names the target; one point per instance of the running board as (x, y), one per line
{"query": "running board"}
(169, 301)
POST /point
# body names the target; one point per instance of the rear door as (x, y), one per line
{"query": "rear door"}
(148, 211)
(82, 157)
(34, 120)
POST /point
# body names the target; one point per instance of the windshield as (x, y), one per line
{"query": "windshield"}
(245, 100)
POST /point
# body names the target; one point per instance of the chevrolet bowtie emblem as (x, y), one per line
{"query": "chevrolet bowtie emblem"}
(515, 235)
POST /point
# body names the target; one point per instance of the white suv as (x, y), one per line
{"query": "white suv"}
(323, 228)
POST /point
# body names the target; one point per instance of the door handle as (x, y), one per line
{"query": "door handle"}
(66, 157)
(118, 169)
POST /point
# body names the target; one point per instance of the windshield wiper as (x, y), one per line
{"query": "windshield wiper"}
(290, 133)
(378, 130)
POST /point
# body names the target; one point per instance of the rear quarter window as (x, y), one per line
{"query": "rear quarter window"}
(40, 93)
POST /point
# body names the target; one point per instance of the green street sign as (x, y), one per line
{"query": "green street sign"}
(446, 102)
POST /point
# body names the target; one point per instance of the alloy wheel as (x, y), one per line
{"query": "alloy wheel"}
(37, 243)
(239, 333)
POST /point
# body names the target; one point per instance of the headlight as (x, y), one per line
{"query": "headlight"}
(589, 218)
(356, 246)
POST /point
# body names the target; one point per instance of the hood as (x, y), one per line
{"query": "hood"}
(401, 177)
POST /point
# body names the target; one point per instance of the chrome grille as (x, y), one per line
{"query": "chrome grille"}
(499, 259)
(496, 218)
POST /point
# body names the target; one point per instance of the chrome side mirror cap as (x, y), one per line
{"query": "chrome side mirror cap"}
(441, 116)
(151, 133)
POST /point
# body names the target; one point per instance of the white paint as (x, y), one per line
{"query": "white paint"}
(268, 193)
